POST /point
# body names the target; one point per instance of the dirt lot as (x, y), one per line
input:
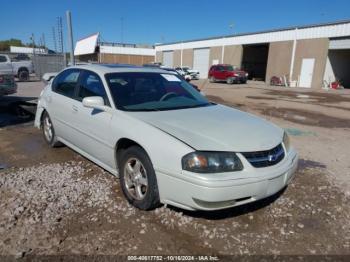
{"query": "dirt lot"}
(55, 202)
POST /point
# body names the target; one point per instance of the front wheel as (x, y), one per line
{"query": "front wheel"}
(229, 80)
(138, 179)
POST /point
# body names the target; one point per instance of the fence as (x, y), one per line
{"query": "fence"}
(48, 63)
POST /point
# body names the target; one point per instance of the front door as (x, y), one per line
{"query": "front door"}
(5, 65)
(306, 72)
(94, 125)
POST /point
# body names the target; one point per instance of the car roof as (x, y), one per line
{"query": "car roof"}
(222, 65)
(115, 68)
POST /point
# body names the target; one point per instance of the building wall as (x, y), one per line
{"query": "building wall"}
(279, 59)
(159, 57)
(177, 58)
(187, 57)
(215, 54)
(125, 59)
(233, 55)
(312, 48)
(87, 58)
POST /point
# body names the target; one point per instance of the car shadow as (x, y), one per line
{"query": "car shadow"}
(231, 212)
(16, 110)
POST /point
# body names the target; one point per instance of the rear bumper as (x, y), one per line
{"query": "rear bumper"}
(234, 192)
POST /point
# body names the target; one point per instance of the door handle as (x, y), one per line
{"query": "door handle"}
(75, 108)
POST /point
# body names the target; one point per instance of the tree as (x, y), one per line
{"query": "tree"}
(5, 44)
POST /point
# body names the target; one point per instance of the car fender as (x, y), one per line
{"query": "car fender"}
(165, 151)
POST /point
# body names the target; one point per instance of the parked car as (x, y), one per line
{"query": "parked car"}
(20, 69)
(8, 85)
(166, 142)
(156, 65)
(186, 77)
(228, 73)
(187, 71)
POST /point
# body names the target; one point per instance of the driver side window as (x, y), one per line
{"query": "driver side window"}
(91, 85)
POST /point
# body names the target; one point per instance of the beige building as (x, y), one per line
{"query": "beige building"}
(307, 56)
(89, 49)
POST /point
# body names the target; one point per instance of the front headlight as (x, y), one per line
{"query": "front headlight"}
(211, 162)
(286, 141)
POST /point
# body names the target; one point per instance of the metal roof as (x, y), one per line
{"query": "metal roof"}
(260, 32)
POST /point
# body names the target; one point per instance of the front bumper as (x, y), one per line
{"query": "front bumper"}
(240, 79)
(8, 89)
(220, 194)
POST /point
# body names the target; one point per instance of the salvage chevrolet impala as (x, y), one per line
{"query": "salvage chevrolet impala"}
(164, 140)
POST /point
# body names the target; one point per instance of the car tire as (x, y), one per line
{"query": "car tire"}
(23, 75)
(138, 179)
(212, 79)
(49, 131)
(229, 80)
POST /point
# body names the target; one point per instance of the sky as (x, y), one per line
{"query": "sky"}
(161, 21)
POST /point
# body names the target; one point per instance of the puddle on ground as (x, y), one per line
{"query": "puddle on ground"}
(305, 117)
(16, 113)
(304, 163)
(298, 132)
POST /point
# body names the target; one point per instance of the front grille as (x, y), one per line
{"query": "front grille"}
(265, 158)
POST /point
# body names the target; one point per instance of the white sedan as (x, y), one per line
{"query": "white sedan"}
(166, 142)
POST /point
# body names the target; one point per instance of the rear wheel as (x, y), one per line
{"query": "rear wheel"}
(138, 179)
(212, 79)
(49, 131)
(23, 75)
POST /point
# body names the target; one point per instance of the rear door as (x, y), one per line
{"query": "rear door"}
(95, 137)
(62, 105)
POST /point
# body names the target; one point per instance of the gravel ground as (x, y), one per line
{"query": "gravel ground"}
(77, 208)
(55, 202)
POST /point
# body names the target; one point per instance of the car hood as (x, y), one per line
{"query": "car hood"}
(215, 128)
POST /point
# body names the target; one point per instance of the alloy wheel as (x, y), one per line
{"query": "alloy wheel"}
(135, 178)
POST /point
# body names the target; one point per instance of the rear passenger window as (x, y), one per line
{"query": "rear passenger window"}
(66, 82)
(91, 85)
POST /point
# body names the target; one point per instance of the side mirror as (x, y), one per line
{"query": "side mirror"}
(48, 77)
(95, 102)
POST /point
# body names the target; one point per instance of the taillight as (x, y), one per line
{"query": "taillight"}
(1, 79)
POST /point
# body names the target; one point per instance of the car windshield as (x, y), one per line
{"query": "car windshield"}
(138, 91)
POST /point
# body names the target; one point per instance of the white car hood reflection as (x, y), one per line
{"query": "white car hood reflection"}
(215, 128)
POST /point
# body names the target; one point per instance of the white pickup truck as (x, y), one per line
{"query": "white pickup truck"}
(20, 69)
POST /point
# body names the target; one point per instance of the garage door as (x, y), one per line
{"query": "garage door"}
(201, 61)
(168, 58)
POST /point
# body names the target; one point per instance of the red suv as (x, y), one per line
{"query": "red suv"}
(227, 73)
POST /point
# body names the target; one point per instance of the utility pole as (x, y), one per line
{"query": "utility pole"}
(60, 34)
(33, 43)
(70, 37)
(54, 39)
(122, 30)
